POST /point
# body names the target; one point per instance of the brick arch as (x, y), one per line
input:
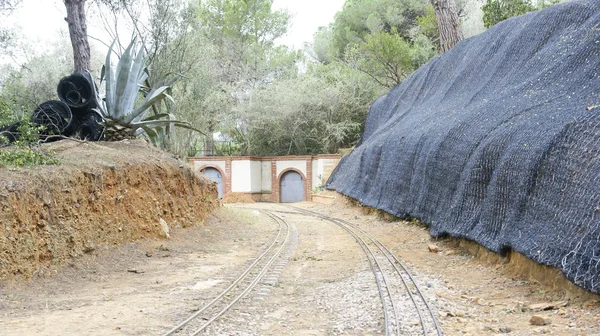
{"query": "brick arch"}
(224, 179)
(306, 181)
(213, 167)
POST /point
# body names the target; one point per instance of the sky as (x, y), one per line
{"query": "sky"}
(43, 20)
(307, 16)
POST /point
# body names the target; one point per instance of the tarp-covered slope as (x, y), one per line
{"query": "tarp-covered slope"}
(497, 141)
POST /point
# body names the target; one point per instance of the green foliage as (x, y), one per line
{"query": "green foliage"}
(6, 115)
(243, 32)
(386, 40)
(495, 11)
(360, 18)
(35, 81)
(322, 111)
(244, 61)
(388, 58)
(25, 88)
(26, 156)
(322, 48)
(25, 151)
(428, 23)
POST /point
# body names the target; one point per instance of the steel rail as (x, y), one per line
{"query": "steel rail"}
(256, 280)
(389, 255)
(386, 252)
(240, 278)
(373, 262)
(376, 268)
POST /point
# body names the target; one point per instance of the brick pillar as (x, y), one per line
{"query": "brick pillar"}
(274, 183)
(227, 176)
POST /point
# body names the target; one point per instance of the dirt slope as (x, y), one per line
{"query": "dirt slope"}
(100, 194)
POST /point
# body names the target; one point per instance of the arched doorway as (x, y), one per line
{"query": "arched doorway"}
(215, 175)
(291, 187)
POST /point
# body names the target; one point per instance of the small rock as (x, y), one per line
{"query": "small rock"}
(539, 320)
(505, 330)
(548, 305)
(450, 253)
(89, 248)
(164, 229)
(433, 248)
(148, 254)
(110, 165)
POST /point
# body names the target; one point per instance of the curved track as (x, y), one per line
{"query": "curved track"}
(402, 300)
(397, 287)
(241, 286)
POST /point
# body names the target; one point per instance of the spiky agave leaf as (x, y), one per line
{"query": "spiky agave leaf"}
(136, 76)
(155, 96)
(122, 119)
(110, 90)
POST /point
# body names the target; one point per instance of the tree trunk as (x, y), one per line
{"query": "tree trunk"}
(78, 33)
(448, 24)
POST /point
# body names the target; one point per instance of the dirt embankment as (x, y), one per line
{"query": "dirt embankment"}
(101, 193)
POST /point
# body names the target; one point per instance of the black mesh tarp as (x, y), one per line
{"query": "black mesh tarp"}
(497, 141)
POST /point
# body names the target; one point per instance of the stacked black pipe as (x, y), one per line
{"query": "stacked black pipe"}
(73, 115)
(79, 92)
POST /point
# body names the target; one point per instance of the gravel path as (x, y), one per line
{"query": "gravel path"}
(323, 286)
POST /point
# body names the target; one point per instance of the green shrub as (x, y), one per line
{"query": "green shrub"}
(25, 156)
(26, 151)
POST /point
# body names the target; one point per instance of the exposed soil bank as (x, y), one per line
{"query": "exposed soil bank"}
(515, 262)
(100, 194)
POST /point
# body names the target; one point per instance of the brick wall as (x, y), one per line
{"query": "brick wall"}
(274, 196)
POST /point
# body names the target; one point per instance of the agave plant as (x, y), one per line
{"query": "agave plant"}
(128, 100)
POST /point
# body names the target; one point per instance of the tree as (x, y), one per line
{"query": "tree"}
(388, 58)
(246, 60)
(76, 20)
(495, 11)
(35, 81)
(360, 18)
(8, 5)
(244, 32)
(319, 111)
(384, 39)
(7, 35)
(448, 24)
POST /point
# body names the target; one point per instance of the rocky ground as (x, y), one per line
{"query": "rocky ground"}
(324, 287)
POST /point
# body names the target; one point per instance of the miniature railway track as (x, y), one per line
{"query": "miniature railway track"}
(241, 286)
(397, 287)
